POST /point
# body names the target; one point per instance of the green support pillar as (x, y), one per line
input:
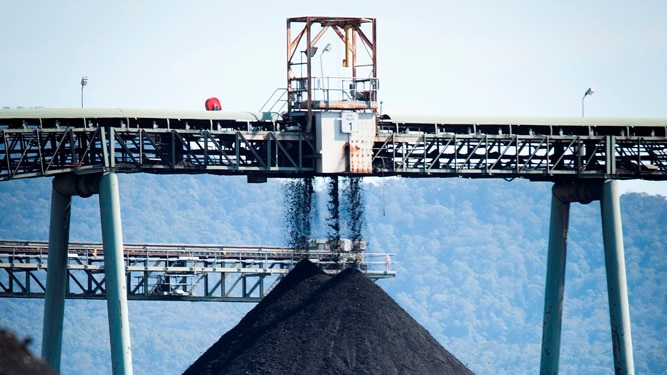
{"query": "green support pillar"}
(56, 278)
(617, 287)
(114, 268)
(555, 283)
(64, 187)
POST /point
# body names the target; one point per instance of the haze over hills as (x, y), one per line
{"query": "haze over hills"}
(470, 257)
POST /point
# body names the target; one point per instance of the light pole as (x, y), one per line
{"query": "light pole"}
(590, 91)
(84, 82)
(326, 48)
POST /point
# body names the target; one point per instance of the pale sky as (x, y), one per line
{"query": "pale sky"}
(449, 57)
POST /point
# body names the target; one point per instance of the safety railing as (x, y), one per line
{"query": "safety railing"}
(334, 93)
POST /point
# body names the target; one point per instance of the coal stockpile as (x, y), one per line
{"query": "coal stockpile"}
(312, 323)
(16, 359)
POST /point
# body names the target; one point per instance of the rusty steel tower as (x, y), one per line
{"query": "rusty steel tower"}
(341, 109)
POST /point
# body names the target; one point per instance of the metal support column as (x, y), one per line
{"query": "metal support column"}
(114, 268)
(56, 278)
(617, 287)
(555, 283)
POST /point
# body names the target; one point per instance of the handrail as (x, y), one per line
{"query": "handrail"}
(283, 92)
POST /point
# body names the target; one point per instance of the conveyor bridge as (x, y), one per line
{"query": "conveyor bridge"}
(173, 272)
(36, 143)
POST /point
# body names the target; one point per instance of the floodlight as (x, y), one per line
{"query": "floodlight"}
(588, 92)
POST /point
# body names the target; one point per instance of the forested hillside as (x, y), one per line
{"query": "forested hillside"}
(470, 257)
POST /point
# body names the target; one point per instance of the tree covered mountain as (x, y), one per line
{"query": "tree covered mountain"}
(470, 257)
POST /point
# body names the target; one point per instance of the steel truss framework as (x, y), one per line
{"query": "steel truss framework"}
(44, 152)
(171, 272)
(533, 157)
(34, 147)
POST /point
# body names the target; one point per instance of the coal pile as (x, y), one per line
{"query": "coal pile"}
(312, 323)
(16, 359)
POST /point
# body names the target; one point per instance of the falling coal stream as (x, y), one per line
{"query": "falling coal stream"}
(333, 221)
(345, 211)
(300, 207)
(354, 200)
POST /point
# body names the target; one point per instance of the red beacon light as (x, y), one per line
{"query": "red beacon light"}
(213, 104)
